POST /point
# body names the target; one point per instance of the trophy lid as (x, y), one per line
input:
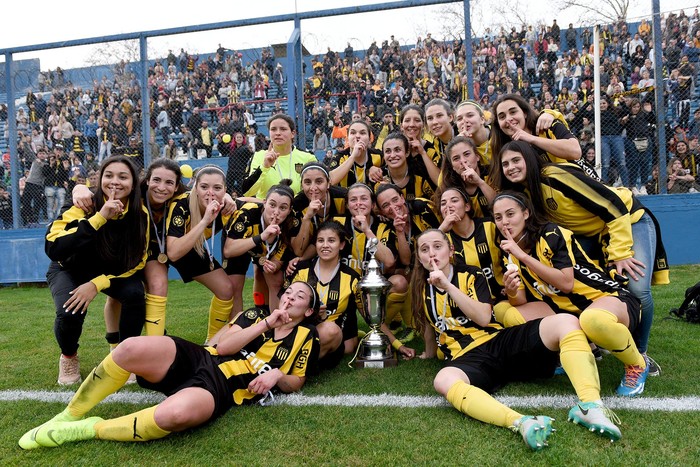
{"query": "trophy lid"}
(373, 277)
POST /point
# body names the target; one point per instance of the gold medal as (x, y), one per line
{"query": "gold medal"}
(261, 260)
(162, 258)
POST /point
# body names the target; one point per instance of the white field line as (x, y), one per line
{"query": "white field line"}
(660, 404)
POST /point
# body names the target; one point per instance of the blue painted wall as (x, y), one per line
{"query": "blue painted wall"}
(23, 258)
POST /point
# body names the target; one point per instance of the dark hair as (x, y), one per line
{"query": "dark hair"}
(315, 165)
(363, 123)
(315, 305)
(450, 177)
(498, 137)
(333, 226)
(533, 224)
(124, 247)
(284, 117)
(364, 186)
(533, 177)
(283, 189)
(168, 164)
(418, 280)
(444, 189)
(441, 102)
(408, 108)
(396, 135)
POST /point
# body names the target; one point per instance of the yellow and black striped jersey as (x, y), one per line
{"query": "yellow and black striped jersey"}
(179, 218)
(354, 254)
(558, 130)
(423, 216)
(419, 184)
(481, 207)
(557, 248)
(455, 333)
(358, 173)
(587, 207)
(295, 354)
(247, 223)
(334, 208)
(480, 250)
(340, 295)
(435, 149)
(72, 241)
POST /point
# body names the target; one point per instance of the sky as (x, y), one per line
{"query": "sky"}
(84, 19)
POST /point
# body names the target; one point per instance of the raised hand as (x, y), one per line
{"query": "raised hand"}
(112, 207)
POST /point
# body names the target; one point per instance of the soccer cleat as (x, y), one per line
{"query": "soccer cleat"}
(28, 440)
(54, 434)
(69, 370)
(597, 418)
(535, 430)
(632, 383)
(654, 368)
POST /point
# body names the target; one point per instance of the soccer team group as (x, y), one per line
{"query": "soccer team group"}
(503, 250)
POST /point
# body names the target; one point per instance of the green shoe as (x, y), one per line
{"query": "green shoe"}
(28, 440)
(55, 434)
(534, 430)
(597, 418)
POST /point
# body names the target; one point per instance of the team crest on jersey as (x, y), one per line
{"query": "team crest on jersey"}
(295, 222)
(251, 314)
(298, 167)
(178, 221)
(483, 201)
(482, 248)
(239, 227)
(551, 204)
(281, 353)
(333, 295)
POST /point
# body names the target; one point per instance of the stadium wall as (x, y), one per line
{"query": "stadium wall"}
(24, 260)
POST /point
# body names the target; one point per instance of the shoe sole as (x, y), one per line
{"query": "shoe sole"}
(60, 383)
(597, 429)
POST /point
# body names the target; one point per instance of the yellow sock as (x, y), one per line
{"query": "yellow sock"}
(112, 347)
(155, 315)
(507, 315)
(579, 364)
(479, 405)
(603, 329)
(407, 312)
(219, 313)
(137, 426)
(394, 302)
(105, 379)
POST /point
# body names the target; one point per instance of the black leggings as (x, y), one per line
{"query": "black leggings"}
(67, 327)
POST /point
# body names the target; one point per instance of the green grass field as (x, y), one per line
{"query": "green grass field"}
(341, 435)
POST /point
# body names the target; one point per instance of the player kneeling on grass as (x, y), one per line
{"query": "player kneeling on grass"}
(255, 354)
(451, 304)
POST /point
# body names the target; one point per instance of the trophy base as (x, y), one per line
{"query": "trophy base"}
(383, 363)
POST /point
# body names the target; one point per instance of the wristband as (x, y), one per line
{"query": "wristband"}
(397, 344)
(257, 240)
(267, 324)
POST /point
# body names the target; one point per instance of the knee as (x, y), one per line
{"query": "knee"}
(399, 284)
(330, 335)
(225, 293)
(158, 286)
(443, 381)
(176, 417)
(129, 350)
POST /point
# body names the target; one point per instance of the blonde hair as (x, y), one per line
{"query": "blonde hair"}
(195, 213)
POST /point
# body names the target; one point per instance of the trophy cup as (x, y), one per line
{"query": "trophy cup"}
(375, 349)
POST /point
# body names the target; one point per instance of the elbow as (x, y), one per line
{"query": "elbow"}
(567, 285)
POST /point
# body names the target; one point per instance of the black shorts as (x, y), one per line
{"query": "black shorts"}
(194, 367)
(634, 308)
(192, 265)
(332, 359)
(348, 323)
(238, 266)
(515, 354)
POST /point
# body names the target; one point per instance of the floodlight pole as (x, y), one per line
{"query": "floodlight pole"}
(12, 137)
(468, 49)
(659, 95)
(145, 103)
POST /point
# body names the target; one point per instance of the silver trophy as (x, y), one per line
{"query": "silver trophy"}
(375, 349)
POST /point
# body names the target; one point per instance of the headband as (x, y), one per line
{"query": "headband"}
(464, 195)
(313, 294)
(506, 195)
(471, 102)
(317, 167)
(211, 166)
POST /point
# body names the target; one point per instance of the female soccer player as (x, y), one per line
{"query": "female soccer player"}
(260, 232)
(461, 169)
(439, 117)
(551, 266)
(611, 225)
(353, 164)
(473, 239)
(282, 160)
(100, 253)
(412, 178)
(451, 304)
(256, 353)
(412, 120)
(193, 221)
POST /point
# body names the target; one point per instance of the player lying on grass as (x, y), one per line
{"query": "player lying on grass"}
(255, 354)
(452, 305)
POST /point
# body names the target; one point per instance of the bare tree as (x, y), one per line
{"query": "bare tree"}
(494, 15)
(601, 11)
(109, 53)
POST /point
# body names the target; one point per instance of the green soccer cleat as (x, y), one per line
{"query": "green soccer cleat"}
(55, 434)
(535, 430)
(597, 418)
(28, 440)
